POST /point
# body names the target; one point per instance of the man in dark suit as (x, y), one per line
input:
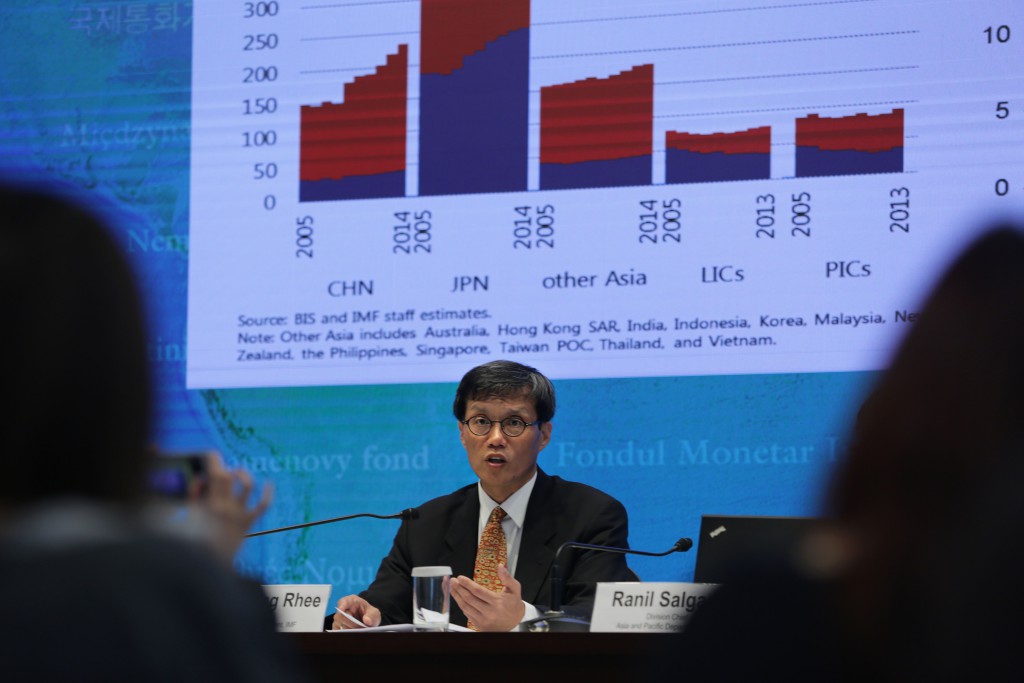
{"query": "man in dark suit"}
(504, 411)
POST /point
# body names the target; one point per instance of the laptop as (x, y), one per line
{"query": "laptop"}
(727, 542)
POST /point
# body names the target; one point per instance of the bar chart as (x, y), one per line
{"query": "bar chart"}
(710, 157)
(356, 149)
(598, 132)
(475, 64)
(849, 145)
(474, 120)
(606, 189)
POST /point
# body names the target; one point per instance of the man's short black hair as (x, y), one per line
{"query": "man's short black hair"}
(505, 379)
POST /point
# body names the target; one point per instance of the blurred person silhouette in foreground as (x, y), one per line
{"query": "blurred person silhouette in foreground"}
(915, 571)
(95, 583)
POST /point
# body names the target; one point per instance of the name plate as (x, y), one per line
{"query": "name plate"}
(647, 607)
(299, 607)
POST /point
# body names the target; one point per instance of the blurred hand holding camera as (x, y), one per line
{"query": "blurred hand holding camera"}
(222, 501)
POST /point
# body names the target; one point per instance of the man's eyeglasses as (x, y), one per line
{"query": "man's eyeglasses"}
(510, 426)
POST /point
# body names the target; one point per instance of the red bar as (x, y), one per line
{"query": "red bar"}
(750, 141)
(861, 132)
(598, 118)
(365, 134)
(454, 29)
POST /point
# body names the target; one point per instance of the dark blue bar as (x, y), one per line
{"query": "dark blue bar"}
(812, 161)
(682, 166)
(473, 123)
(604, 173)
(354, 187)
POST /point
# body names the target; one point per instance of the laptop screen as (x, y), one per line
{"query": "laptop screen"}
(726, 541)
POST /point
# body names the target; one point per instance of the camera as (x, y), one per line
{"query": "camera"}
(175, 475)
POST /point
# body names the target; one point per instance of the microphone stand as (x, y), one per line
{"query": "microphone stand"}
(554, 619)
(409, 513)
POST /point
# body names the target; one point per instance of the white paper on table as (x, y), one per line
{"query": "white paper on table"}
(399, 627)
(364, 629)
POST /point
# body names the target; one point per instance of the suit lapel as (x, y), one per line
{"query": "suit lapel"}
(535, 552)
(460, 544)
(460, 538)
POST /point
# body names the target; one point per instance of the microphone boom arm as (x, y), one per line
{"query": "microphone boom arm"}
(409, 513)
(681, 546)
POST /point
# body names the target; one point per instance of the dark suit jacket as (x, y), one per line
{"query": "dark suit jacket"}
(558, 511)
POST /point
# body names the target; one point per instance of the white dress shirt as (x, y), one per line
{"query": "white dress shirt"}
(515, 514)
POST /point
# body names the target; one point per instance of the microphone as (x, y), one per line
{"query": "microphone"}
(681, 546)
(404, 515)
(554, 619)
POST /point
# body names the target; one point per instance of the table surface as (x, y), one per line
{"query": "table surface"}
(594, 656)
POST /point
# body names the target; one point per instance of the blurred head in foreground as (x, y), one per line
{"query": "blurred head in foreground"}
(922, 493)
(74, 348)
(73, 546)
(941, 417)
(950, 409)
(915, 572)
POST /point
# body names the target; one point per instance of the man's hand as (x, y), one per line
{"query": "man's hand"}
(358, 608)
(490, 610)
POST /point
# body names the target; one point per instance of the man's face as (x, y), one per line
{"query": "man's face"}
(504, 463)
